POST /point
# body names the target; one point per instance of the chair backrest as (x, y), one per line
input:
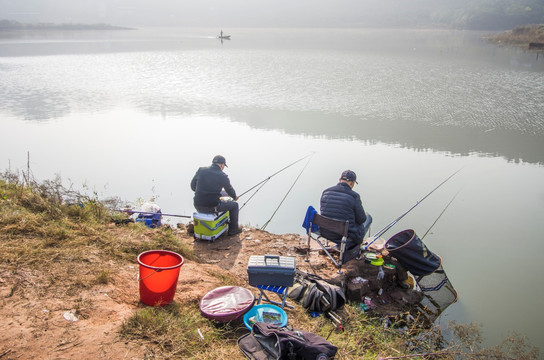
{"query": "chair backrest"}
(337, 226)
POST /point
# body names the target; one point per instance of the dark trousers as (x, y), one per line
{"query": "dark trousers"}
(364, 229)
(232, 208)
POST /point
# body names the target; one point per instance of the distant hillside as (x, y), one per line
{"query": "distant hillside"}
(14, 25)
(488, 15)
(498, 14)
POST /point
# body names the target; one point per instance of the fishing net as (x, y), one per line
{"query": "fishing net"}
(415, 257)
(412, 253)
(438, 292)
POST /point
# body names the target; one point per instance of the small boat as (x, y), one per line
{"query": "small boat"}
(223, 37)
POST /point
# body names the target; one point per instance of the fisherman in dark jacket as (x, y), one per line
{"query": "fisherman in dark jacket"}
(342, 203)
(208, 184)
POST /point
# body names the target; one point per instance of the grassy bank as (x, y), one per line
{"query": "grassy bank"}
(58, 244)
(520, 36)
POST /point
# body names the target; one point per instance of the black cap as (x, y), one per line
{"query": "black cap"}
(218, 159)
(349, 175)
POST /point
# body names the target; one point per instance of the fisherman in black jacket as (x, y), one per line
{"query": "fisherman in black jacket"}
(208, 184)
(342, 203)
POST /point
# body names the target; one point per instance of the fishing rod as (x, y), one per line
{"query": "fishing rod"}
(288, 191)
(439, 216)
(276, 173)
(392, 223)
(153, 213)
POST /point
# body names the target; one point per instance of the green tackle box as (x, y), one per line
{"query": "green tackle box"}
(210, 226)
(271, 270)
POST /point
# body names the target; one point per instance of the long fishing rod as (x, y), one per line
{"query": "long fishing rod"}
(439, 216)
(392, 223)
(153, 213)
(274, 174)
(288, 191)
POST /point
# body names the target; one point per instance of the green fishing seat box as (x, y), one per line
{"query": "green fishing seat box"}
(272, 270)
(210, 226)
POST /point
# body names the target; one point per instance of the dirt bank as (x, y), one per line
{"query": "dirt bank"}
(36, 318)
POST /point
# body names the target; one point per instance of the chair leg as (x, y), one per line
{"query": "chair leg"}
(342, 251)
(284, 297)
(308, 247)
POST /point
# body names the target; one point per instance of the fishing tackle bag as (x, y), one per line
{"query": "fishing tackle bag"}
(270, 342)
(315, 293)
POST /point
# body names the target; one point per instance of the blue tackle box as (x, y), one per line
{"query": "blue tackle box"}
(271, 270)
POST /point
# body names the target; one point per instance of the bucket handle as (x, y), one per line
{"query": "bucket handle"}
(153, 273)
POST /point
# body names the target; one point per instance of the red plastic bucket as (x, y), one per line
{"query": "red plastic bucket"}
(159, 272)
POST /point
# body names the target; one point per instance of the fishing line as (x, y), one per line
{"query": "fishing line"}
(277, 172)
(439, 216)
(275, 211)
(391, 224)
(252, 195)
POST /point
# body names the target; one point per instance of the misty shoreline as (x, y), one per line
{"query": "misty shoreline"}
(9, 25)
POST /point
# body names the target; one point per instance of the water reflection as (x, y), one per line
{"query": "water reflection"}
(439, 91)
(510, 145)
(44, 104)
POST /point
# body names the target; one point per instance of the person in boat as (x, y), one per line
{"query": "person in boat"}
(343, 203)
(208, 184)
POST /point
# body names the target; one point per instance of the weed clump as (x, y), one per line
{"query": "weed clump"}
(180, 331)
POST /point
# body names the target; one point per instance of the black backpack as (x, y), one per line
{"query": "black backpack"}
(270, 342)
(315, 293)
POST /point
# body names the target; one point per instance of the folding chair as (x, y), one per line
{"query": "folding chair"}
(314, 221)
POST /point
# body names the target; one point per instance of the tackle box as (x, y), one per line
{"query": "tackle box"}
(271, 270)
(210, 226)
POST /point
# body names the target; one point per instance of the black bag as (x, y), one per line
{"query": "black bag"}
(270, 342)
(316, 294)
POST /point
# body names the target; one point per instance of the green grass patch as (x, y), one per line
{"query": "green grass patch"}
(179, 331)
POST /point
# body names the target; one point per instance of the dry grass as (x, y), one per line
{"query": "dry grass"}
(38, 231)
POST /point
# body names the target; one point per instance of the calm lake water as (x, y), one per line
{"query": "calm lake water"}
(134, 113)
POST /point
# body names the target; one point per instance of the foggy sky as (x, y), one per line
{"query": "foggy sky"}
(222, 13)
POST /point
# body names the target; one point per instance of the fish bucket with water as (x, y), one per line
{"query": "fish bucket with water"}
(412, 253)
(159, 272)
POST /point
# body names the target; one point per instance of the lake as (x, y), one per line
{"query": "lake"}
(134, 113)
